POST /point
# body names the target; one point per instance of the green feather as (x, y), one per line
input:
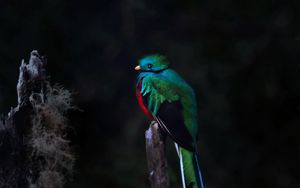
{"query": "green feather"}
(164, 84)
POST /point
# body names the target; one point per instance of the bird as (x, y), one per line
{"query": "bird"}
(165, 97)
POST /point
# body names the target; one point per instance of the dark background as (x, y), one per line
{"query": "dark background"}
(241, 57)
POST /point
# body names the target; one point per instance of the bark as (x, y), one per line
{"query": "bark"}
(14, 171)
(31, 129)
(156, 157)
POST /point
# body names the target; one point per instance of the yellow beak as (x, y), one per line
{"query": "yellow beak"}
(137, 68)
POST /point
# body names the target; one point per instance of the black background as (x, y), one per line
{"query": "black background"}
(241, 57)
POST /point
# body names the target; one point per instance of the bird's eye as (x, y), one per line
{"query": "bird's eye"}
(149, 66)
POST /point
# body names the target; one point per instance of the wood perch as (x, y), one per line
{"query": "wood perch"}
(156, 157)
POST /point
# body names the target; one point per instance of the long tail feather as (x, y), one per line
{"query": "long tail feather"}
(196, 156)
(177, 148)
(182, 170)
(190, 169)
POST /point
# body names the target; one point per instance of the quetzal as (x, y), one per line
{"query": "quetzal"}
(166, 98)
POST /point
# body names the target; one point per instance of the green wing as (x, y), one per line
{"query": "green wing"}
(159, 89)
(163, 100)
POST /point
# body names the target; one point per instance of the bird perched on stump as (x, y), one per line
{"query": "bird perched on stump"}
(166, 98)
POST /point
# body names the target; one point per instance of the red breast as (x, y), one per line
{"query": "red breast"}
(141, 102)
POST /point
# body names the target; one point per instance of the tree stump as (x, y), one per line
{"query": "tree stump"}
(156, 157)
(33, 150)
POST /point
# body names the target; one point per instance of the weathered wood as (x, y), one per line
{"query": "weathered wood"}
(156, 157)
(33, 149)
(32, 77)
(14, 129)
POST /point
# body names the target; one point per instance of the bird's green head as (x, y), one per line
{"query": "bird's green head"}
(152, 63)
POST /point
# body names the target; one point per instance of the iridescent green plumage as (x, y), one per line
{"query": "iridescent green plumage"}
(172, 103)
